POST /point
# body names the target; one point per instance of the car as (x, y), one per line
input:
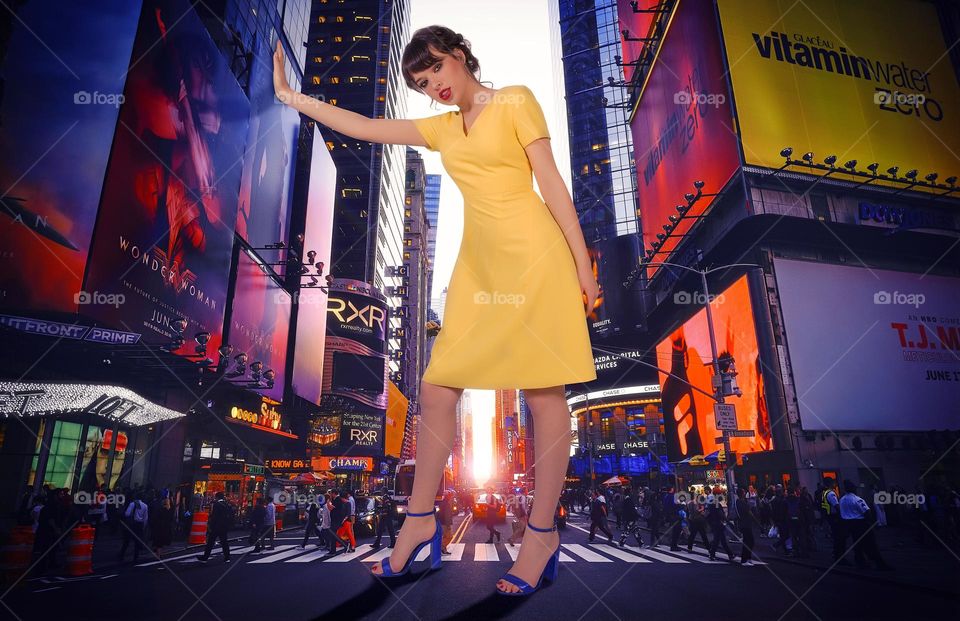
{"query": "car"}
(366, 524)
(480, 508)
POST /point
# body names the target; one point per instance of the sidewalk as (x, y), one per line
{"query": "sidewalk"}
(931, 567)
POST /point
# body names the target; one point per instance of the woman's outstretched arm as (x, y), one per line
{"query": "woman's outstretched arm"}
(384, 131)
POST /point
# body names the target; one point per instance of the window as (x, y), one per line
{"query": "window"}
(209, 451)
(318, 59)
(361, 38)
(316, 79)
(351, 193)
(359, 58)
(335, 80)
(321, 19)
(340, 19)
(359, 79)
(337, 39)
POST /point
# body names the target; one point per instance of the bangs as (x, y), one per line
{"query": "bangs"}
(417, 58)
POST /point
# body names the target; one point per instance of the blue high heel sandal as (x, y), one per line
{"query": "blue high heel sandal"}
(435, 558)
(550, 571)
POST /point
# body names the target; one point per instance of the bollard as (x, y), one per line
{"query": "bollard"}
(198, 529)
(80, 551)
(280, 510)
(18, 553)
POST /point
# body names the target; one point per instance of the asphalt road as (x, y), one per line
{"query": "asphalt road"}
(596, 581)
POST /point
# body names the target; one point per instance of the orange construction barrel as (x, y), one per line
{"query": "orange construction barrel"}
(280, 510)
(80, 551)
(18, 553)
(198, 529)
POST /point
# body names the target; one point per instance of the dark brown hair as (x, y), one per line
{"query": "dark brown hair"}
(417, 56)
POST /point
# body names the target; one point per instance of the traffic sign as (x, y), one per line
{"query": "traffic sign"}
(726, 416)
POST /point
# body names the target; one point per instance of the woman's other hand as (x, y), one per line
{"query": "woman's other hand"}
(589, 287)
(280, 85)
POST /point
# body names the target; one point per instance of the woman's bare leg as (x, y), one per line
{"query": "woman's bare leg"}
(551, 420)
(438, 422)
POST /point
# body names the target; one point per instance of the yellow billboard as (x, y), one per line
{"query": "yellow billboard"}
(864, 80)
(397, 404)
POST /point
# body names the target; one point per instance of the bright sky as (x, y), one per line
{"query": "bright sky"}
(511, 51)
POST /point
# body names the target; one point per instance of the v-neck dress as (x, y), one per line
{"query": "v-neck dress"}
(514, 313)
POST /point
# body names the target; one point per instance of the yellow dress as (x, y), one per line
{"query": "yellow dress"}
(514, 314)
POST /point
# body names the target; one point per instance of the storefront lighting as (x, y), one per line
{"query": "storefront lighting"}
(50, 399)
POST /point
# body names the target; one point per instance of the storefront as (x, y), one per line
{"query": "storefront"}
(242, 484)
(75, 436)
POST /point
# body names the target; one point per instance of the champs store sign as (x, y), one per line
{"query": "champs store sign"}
(865, 80)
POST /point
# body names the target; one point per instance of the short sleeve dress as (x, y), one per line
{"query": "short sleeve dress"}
(514, 313)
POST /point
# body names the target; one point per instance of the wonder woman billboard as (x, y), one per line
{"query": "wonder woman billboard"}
(164, 233)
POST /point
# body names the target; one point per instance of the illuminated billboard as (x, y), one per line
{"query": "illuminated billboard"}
(260, 321)
(887, 359)
(865, 80)
(164, 235)
(636, 25)
(689, 424)
(617, 310)
(308, 359)
(57, 121)
(683, 128)
(266, 185)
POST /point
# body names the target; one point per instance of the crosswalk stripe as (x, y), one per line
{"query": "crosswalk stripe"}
(456, 552)
(194, 555)
(586, 553)
(666, 558)
(620, 554)
(279, 553)
(485, 552)
(345, 558)
(379, 555)
(306, 558)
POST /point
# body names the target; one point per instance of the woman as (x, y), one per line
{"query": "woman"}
(491, 515)
(514, 315)
(161, 527)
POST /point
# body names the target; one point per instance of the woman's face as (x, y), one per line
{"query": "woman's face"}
(447, 80)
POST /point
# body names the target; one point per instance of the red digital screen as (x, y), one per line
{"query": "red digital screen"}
(683, 128)
(689, 424)
(637, 26)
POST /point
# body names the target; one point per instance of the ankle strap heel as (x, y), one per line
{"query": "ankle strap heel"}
(422, 514)
(542, 530)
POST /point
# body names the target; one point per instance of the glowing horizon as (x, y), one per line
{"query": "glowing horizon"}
(482, 406)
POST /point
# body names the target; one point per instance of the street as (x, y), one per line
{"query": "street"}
(596, 581)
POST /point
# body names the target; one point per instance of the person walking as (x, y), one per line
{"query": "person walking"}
(313, 525)
(519, 510)
(341, 516)
(516, 242)
(854, 512)
(671, 515)
(598, 518)
(654, 500)
(492, 515)
(697, 524)
(446, 521)
(717, 521)
(830, 505)
(161, 527)
(631, 520)
(747, 520)
(385, 508)
(271, 522)
(258, 519)
(779, 515)
(218, 528)
(134, 527)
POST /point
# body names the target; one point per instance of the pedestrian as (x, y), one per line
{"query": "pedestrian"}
(654, 500)
(258, 519)
(717, 522)
(671, 515)
(854, 513)
(520, 515)
(492, 515)
(351, 518)
(618, 507)
(218, 528)
(698, 525)
(271, 521)
(134, 526)
(631, 519)
(446, 522)
(327, 515)
(161, 527)
(385, 508)
(313, 525)
(746, 518)
(341, 517)
(598, 517)
(779, 515)
(47, 533)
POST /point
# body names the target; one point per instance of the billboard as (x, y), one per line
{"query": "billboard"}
(308, 358)
(865, 80)
(266, 184)
(637, 25)
(396, 420)
(683, 127)
(689, 425)
(260, 320)
(65, 67)
(617, 311)
(164, 235)
(887, 359)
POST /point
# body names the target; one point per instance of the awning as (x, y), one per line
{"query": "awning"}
(111, 402)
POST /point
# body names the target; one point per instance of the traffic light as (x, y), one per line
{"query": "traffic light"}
(728, 375)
